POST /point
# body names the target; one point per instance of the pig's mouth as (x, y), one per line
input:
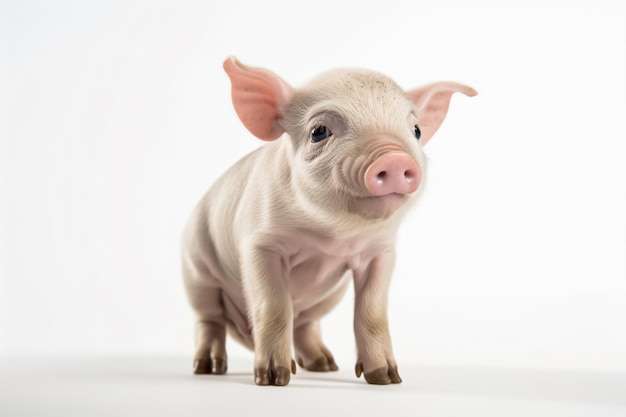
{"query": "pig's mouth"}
(380, 207)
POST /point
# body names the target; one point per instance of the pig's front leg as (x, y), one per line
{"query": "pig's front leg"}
(375, 356)
(271, 311)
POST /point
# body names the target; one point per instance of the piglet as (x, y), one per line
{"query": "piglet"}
(273, 245)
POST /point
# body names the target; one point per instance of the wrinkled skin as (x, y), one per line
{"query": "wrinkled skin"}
(273, 245)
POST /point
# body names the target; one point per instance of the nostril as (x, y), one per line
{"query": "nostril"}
(410, 175)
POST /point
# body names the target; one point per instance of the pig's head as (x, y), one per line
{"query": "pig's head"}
(356, 137)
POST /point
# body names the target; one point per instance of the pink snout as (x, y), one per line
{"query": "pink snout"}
(393, 173)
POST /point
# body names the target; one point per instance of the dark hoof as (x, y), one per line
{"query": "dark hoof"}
(278, 376)
(380, 376)
(209, 366)
(322, 364)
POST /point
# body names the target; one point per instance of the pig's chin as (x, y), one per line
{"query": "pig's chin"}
(378, 207)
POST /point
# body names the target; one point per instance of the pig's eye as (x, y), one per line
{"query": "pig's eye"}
(320, 133)
(417, 132)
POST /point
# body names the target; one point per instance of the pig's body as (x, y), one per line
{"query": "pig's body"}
(273, 245)
(316, 257)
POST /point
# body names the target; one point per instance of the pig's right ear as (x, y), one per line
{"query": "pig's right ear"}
(432, 103)
(260, 98)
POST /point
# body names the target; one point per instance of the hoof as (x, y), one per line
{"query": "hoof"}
(380, 376)
(278, 376)
(322, 364)
(208, 366)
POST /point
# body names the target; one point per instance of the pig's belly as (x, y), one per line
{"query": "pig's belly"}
(313, 284)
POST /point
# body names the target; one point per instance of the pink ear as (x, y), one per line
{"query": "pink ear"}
(432, 103)
(260, 98)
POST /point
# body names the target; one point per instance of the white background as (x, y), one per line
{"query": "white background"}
(115, 118)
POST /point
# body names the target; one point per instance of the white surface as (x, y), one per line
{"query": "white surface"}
(115, 117)
(163, 386)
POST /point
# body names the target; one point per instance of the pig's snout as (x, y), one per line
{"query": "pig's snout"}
(393, 173)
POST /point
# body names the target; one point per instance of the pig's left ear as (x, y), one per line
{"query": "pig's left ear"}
(432, 103)
(260, 98)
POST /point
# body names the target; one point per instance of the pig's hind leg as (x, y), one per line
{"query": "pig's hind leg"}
(205, 297)
(311, 353)
(211, 349)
